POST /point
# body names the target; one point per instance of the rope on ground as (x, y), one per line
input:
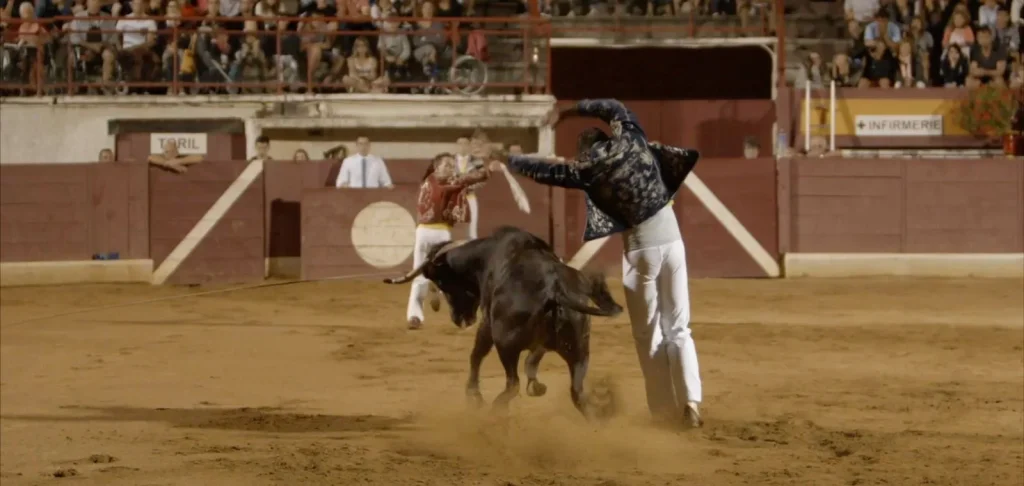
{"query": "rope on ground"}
(182, 296)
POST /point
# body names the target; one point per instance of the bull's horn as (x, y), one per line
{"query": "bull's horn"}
(416, 272)
(451, 245)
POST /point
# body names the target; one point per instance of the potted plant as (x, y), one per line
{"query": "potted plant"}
(988, 113)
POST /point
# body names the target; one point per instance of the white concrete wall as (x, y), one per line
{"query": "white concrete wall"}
(67, 133)
(68, 130)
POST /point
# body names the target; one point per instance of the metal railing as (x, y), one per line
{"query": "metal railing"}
(272, 55)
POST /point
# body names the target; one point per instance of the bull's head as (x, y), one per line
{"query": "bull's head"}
(455, 271)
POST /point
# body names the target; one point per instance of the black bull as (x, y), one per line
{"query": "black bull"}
(531, 301)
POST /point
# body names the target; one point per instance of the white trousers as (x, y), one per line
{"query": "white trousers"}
(657, 296)
(426, 237)
(474, 215)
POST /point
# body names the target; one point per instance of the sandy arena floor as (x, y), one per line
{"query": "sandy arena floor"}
(842, 382)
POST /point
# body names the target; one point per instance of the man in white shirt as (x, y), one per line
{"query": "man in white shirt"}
(138, 37)
(465, 163)
(362, 169)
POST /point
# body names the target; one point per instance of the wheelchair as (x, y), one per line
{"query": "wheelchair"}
(466, 72)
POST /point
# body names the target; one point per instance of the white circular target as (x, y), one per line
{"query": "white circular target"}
(383, 234)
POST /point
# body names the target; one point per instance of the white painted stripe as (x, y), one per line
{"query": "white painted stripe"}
(587, 252)
(191, 241)
(841, 265)
(732, 225)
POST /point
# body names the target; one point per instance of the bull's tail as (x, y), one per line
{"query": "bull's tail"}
(576, 301)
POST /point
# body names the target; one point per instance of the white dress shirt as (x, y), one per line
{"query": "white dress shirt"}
(362, 171)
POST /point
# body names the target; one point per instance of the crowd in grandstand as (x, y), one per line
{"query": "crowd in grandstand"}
(926, 43)
(354, 45)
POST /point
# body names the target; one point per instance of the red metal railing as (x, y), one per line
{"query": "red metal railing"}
(58, 68)
(202, 42)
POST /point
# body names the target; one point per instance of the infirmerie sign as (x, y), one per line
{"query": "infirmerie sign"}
(898, 125)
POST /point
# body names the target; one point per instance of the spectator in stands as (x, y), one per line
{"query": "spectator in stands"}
(819, 147)
(901, 12)
(33, 37)
(394, 47)
(362, 70)
(250, 64)
(953, 69)
(910, 72)
(106, 155)
(381, 10)
(860, 10)
(362, 169)
(1007, 35)
(230, 8)
(814, 70)
(882, 31)
(316, 41)
(987, 13)
(515, 148)
(843, 73)
(428, 39)
(751, 149)
(92, 33)
(448, 8)
(1017, 74)
(880, 68)
(46, 9)
(262, 149)
(171, 160)
(923, 42)
(857, 51)
(138, 40)
(958, 31)
(300, 155)
(988, 63)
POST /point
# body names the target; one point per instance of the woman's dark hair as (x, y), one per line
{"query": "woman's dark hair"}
(433, 163)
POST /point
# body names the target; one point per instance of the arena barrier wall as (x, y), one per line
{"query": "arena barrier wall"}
(225, 221)
(852, 217)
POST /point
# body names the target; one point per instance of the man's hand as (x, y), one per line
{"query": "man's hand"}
(496, 166)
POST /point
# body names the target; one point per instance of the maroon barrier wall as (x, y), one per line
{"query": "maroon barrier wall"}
(72, 211)
(901, 206)
(54, 212)
(233, 250)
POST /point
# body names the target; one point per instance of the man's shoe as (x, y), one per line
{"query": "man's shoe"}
(415, 323)
(692, 416)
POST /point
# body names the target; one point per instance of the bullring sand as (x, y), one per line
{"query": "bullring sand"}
(807, 382)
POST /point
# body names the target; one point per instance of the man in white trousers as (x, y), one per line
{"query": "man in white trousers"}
(629, 184)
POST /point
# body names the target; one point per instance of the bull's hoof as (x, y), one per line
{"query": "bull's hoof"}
(474, 398)
(535, 388)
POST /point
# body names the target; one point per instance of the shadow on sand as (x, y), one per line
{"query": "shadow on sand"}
(263, 419)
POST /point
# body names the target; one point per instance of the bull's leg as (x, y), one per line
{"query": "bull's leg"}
(510, 361)
(534, 388)
(480, 349)
(577, 373)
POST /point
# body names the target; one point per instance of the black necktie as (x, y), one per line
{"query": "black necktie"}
(364, 172)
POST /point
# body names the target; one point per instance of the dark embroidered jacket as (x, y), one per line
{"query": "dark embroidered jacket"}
(626, 179)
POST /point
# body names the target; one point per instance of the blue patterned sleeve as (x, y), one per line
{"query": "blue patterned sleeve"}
(614, 113)
(544, 172)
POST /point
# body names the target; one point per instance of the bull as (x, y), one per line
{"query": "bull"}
(530, 300)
